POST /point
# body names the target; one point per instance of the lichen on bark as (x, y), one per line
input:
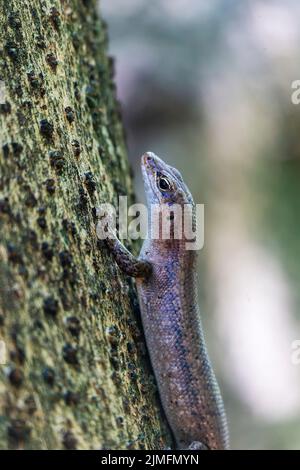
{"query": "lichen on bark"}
(77, 373)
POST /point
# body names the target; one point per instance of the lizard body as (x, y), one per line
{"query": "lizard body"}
(166, 280)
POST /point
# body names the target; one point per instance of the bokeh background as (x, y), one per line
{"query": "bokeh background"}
(207, 86)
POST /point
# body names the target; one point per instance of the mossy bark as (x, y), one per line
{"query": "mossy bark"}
(77, 374)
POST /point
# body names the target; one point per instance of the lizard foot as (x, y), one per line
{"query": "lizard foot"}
(196, 445)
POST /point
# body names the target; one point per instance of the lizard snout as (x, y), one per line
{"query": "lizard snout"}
(147, 158)
(150, 161)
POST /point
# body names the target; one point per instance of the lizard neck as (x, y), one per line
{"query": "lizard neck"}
(165, 251)
(169, 241)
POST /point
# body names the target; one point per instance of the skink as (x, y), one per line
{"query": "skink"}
(166, 280)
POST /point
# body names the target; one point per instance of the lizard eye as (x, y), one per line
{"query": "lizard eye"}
(163, 183)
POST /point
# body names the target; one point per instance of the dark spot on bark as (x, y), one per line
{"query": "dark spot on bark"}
(47, 251)
(46, 128)
(37, 324)
(1, 320)
(27, 104)
(34, 15)
(69, 227)
(57, 160)
(71, 398)
(94, 213)
(12, 50)
(50, 185)
(69, 441)
(30, 404)
(55, 17)
(112, 335)
(134, 303)
(83, 301)
(49, 376)
(30, 199)
(14, 254)
(40, 41)
(73, 325)
(131, 347)
(18, 90)
(94, 296)
(70, 114)
(76, 147)
(65, 258)
(5, 149)
(20, 355)
(70, 354)
(18, 431)
(119, 421)
(17, 148)
(116, 379)
(14, 21)
(21, 118)
(23, 271)
(16, 377)
(33, 79)
(4, 206)
(51, 306)
(32, 238)
(146, 417)
(115, 363)
(42, 222)
(133, 374)
(77, 92)
(102, 152)
(5, 108)
(83, 199)
(71, 275)
(15, 331)
(51, 60)
(90, 182)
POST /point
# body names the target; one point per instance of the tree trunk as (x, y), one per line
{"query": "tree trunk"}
(76, 372)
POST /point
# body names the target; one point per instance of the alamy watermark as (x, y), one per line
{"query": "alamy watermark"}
(2, 92)
(2, 353)
(295, 355)
(159, 222)
(295, 96)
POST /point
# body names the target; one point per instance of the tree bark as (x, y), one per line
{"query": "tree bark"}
(77, 373)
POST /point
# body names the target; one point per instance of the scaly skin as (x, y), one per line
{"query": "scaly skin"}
(166, 280)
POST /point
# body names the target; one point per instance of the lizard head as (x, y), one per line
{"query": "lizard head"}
(163, 183)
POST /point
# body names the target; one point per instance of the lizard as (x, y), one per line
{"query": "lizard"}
(166, 279)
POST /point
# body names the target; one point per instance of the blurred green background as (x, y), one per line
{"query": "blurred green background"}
(207, 86)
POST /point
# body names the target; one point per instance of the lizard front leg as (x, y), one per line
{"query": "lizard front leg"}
(129, 264)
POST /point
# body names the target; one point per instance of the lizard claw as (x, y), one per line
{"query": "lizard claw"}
(196, 445)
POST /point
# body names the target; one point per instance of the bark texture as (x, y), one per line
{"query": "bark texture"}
(77, 373)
